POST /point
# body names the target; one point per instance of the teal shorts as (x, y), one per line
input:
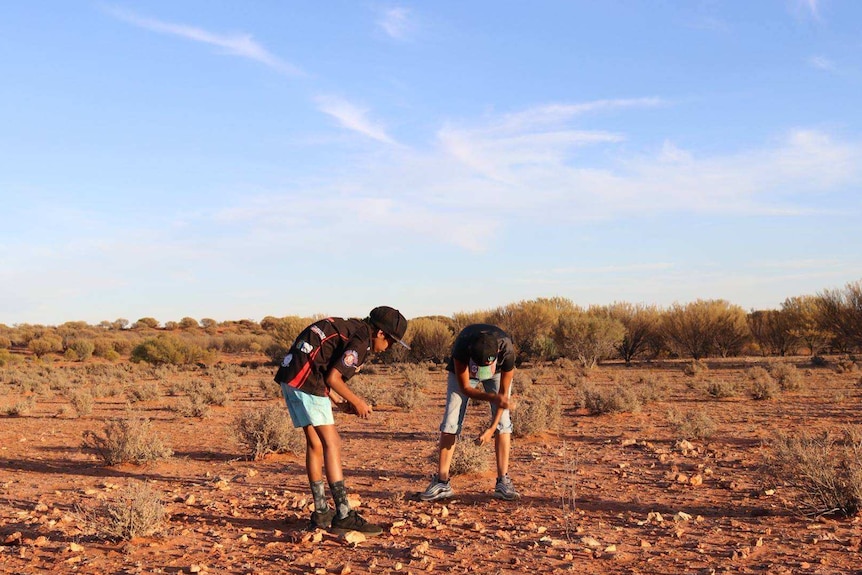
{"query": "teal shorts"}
(306, 409)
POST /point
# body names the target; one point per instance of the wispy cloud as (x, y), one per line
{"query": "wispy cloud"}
(242, 45)
(822, 63)
(395, 22)
(353, 118)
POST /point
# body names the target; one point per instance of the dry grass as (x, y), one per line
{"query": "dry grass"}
(468, 458)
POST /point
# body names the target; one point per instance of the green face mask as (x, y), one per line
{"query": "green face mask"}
(484, 372)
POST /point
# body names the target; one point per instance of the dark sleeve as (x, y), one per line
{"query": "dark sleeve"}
(507, 354)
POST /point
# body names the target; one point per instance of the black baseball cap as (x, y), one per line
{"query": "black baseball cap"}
(484, 348)
(390, 321)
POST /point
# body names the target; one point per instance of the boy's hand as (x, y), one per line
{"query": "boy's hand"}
(485, 437)
(502, 401)
(361, 408)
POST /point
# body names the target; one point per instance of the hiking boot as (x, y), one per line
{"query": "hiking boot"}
(436, 490)
(505, 489)
(354, 522)
(321, 519)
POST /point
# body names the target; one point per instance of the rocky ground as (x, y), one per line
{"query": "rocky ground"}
(621, 493)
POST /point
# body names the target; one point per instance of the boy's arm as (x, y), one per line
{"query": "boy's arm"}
(336, 382)
(463, 376)
(505, 385)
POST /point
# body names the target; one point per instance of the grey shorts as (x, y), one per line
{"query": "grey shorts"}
(456, 405)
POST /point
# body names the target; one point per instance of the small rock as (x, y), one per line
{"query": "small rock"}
(353, 537)
(190, 500)
(696, 480)
(591, 542)
(75, 547)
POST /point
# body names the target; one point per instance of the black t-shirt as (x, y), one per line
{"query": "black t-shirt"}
(461, 347)
(343, 344)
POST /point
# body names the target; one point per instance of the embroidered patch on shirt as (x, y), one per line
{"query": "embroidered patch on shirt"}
(305, 347)
(350, 358)
(318, 331)
(287, 359)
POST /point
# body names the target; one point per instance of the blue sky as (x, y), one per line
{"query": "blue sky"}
(236, 160)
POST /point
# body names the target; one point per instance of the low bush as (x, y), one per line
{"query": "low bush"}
(695, 367)
(409, 396)
(370, 389)
(136, 512)
(763, 386)
(720, 388)
(618, 399)
(82, 402)
(787, 376)
(267, 430)
(130, 439)
(538, 409)
(692, 424)
(825, 470)
(468, 458)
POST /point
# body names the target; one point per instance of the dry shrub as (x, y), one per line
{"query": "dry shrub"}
(215, 392)
(21, 407)
(82, 401)
(846, 365)
(692, 424)
(370, 389)
(415, 375)
(825, 470)
(695, 367)
(270, 388)
(762, 385)
(468, 458)
(618, 399)
(409, 396)
(137, 511)
(787, 376)
(142, 391)
(127, 440)
(539, 409)
(267, 430)
(192, 406)
(720, 388)
(651, 388)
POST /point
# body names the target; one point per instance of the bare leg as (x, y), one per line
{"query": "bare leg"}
(313, 454)
(503, 445)
(447, 450)
(331, 449)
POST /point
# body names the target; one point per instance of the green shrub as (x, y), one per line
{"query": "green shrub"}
(171, 350)
(129, 439)
(267, 430)
(82, 348)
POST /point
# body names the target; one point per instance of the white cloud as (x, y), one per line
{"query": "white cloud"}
(242, 45)
(822, 63)
(353, 118)
(395, 22)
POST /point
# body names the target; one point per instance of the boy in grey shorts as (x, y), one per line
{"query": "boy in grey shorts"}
(481, 368)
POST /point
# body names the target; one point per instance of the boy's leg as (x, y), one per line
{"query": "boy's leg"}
(504, 487)
(447, 452)
(450, 427)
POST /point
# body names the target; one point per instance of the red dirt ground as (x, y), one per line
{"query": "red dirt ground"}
(630, 479)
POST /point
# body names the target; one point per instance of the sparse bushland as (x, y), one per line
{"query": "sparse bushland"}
(695, 368)
(642, 329)
(142, 391)
(468, 458)
(21, 407)
(430, 339)
(267, 430)
(136, 511)
(825, 470)
(705, 327)
(282, 333)
(692, 424)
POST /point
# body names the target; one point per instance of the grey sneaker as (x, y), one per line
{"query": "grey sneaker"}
(321, 519)
(436, 490)
(354, 522)
(505, 489)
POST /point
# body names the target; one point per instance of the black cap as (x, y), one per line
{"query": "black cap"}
(484, 348)
(391, 322)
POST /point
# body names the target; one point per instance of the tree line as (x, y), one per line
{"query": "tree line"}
(542, 329)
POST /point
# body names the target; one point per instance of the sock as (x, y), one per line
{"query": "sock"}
(339, 493)
(317, 491)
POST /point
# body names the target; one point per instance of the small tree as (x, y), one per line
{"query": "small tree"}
(586, 337)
